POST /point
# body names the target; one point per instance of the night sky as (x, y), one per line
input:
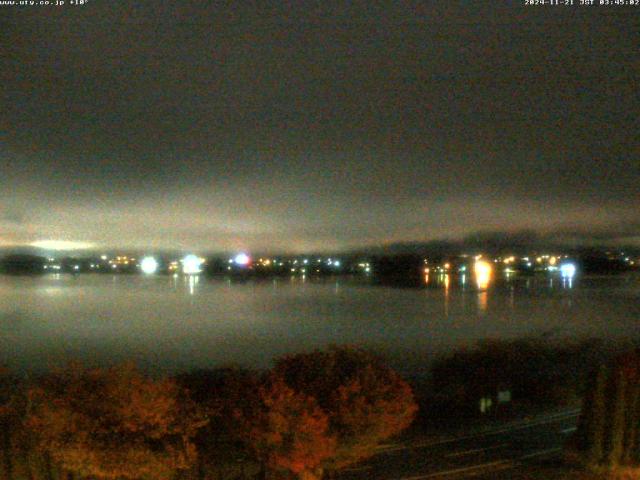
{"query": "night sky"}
(316, 125)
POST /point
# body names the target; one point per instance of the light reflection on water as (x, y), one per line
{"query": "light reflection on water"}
(181, 322)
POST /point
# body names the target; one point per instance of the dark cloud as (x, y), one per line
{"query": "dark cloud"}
(307, 125)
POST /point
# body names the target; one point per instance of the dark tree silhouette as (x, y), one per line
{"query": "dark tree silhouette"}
(608, 435)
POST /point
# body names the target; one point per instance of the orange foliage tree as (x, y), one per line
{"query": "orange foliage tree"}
(287, 431)
(365, 401)
(113, 423)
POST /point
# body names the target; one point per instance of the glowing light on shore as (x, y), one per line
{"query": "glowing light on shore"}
(567, 270)
(192, 265)
(149, 265)
(483, 271)
(242, 259)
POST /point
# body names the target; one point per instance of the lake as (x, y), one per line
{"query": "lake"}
(172, 324)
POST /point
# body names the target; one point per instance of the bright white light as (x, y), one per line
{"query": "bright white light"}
(242, 259)
(336, 263)
(191, 265)
(567, 270)
(149, 265)
(103, 257)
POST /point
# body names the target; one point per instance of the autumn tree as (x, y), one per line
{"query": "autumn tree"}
(365, 401)
(113, 423)
(288, 431)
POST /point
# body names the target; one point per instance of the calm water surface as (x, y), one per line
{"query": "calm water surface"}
(180, 323)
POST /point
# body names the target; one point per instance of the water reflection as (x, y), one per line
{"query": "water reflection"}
(447, 281)
(103, 319)
(483, 300)
(193, 281)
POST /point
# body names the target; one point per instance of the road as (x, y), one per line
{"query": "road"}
(479, 454)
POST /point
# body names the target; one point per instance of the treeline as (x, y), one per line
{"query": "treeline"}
(309, 414)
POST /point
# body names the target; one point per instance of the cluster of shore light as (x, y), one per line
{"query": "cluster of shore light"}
(191, 264)
(483, 270)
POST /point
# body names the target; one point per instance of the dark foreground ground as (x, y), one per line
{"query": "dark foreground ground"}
(528, 448)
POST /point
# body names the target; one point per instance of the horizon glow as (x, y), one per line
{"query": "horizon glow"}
(61, 245)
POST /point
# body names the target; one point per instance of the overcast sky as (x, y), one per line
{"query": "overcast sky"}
(316, 125)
